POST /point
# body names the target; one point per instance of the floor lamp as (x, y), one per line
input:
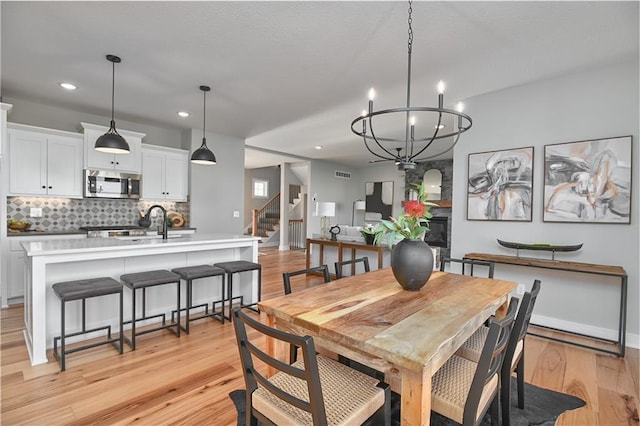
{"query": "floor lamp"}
(357, 205)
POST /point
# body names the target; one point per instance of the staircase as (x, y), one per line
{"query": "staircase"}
(266, 220)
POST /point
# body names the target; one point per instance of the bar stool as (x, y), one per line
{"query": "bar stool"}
(237, 266)
(82, 290)
(142, 280)
(191, 273)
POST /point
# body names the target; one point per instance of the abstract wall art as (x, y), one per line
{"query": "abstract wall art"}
(588, 181)
(378, 201)
(500, 185)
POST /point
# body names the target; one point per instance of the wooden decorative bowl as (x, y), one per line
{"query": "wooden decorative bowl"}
(19, 226)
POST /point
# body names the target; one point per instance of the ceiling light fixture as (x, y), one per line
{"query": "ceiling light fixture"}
(318, 147)
(415, 149)
(111, 141)
(203, 155)
(183, 114)
(67, 86)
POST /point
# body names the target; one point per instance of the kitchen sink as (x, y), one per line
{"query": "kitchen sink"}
(145, 237)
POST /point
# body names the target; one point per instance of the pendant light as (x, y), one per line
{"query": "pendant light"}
(203, 155)
(112, 142)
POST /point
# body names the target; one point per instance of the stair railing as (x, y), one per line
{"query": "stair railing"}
(263, 219)
(296, 237)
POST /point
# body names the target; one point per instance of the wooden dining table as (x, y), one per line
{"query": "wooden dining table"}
(407, 335)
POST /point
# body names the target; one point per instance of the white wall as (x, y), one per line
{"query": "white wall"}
(270, 174)
(54, 117)
(217, 191)
(327, 187)
(596, 104)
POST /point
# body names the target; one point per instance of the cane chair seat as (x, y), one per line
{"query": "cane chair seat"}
(451, 385)
(472, 348)
(350, 397)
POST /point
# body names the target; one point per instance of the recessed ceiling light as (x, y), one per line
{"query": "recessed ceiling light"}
(67, 86)
(318, 147)
(183, 114)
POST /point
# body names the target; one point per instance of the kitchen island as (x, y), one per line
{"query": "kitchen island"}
(48, 262)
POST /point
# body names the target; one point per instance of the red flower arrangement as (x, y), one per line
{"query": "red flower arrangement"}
(413, 224)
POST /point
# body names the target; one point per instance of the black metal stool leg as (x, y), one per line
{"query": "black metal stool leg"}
(223, 294)
(133, 318)
(178, 314)
(121, 339)
(189, 303)
(61, 359)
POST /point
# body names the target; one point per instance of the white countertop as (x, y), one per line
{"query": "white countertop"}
(72, 246)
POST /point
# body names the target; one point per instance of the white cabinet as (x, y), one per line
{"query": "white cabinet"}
(16, 277)
(130, 163)
(165, 173)
(44, 162)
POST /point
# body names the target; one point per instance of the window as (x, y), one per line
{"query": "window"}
(260, 188)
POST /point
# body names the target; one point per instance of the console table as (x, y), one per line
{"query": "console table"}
(341, 246)
(585, 268)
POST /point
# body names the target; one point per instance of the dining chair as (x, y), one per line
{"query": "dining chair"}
(514, 355)
(286, 276)
(469, 265)
(339, 265)
(463, 390)
(314, 390)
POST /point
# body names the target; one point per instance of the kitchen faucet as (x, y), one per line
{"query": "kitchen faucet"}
(145, 221)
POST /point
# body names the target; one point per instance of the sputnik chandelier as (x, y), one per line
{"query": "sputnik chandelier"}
(410, 149)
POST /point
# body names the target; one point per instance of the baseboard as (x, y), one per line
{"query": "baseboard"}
(632, 340)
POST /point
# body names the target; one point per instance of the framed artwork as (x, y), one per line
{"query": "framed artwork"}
(588, 181)
(500, 185)
(378, 201)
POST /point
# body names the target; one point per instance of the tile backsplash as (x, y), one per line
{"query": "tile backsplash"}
(64, 214)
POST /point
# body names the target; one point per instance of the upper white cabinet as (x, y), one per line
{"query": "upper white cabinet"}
(165, 173)
(44, 162)
(130, 163)
(4, 108)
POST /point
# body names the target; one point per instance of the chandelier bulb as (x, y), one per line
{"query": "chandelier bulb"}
(441, 87)
(412, 120)
(372, 94)
(364, 112)
(459, 107)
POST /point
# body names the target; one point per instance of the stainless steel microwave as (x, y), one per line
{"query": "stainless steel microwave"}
(111, 184)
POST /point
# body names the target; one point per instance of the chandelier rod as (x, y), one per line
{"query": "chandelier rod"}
(408, 115)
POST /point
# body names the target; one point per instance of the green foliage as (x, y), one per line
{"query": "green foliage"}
(413, 224)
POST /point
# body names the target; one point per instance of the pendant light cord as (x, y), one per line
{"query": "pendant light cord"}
(204, 118)
(113, 89)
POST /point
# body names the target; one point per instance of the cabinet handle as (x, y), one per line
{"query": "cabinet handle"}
(117, 162)
(50, 187)
(112, 162)
(44, 187)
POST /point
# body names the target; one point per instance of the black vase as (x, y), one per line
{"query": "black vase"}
(369, 238)
(412, 263)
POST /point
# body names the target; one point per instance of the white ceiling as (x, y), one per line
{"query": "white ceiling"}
(287, 76)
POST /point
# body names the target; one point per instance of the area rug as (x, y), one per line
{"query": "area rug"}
(542, 407)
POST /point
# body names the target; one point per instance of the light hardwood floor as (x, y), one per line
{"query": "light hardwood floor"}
(187, 380)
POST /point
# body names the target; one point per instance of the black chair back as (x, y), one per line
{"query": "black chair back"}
(249, 352)
(490, 359)
(286, 276)
(339, 265)
(469, 266)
